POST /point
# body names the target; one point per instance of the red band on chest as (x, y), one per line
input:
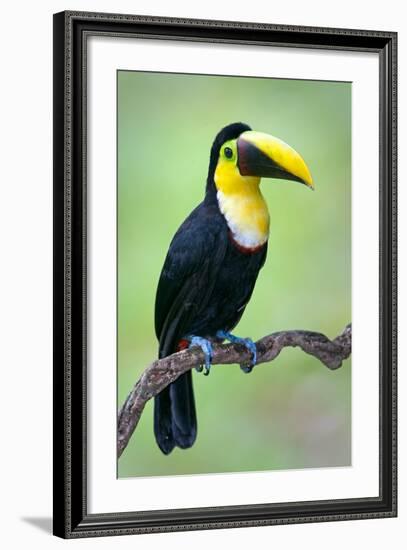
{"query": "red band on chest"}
(245, 249)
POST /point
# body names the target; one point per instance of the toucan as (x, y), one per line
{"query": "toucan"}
(212, 265)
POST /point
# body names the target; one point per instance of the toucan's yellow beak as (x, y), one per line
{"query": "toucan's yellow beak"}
(266, 156)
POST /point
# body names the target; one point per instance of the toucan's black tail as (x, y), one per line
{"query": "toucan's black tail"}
(175, 416)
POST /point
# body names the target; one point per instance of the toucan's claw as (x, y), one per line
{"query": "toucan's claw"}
(246, 368)
(247, 342)
(206, 347)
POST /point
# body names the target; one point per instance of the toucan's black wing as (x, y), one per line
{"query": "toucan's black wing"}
(188, 274)
(185, 286)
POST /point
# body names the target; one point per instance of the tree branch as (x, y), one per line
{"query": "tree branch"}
(164, 371)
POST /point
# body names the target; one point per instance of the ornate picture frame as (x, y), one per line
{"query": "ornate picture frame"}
(72, 517)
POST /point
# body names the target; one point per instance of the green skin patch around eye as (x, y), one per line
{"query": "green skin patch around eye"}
(227, 147)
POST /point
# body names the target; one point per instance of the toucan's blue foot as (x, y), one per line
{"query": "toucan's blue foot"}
(206, 347)
(247, 342)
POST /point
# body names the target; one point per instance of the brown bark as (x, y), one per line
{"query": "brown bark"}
(164, 371)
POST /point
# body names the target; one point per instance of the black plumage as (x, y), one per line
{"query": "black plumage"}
(205, 284)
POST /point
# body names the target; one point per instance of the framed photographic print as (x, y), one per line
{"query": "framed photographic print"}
(224, 205)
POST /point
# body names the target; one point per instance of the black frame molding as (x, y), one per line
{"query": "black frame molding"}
(71, 518)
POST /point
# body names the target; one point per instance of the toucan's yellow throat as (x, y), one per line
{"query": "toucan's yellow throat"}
(241, 164)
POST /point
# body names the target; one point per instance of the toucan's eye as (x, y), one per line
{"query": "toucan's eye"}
(228, 152)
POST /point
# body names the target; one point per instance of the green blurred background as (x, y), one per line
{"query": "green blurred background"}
(293, 412)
